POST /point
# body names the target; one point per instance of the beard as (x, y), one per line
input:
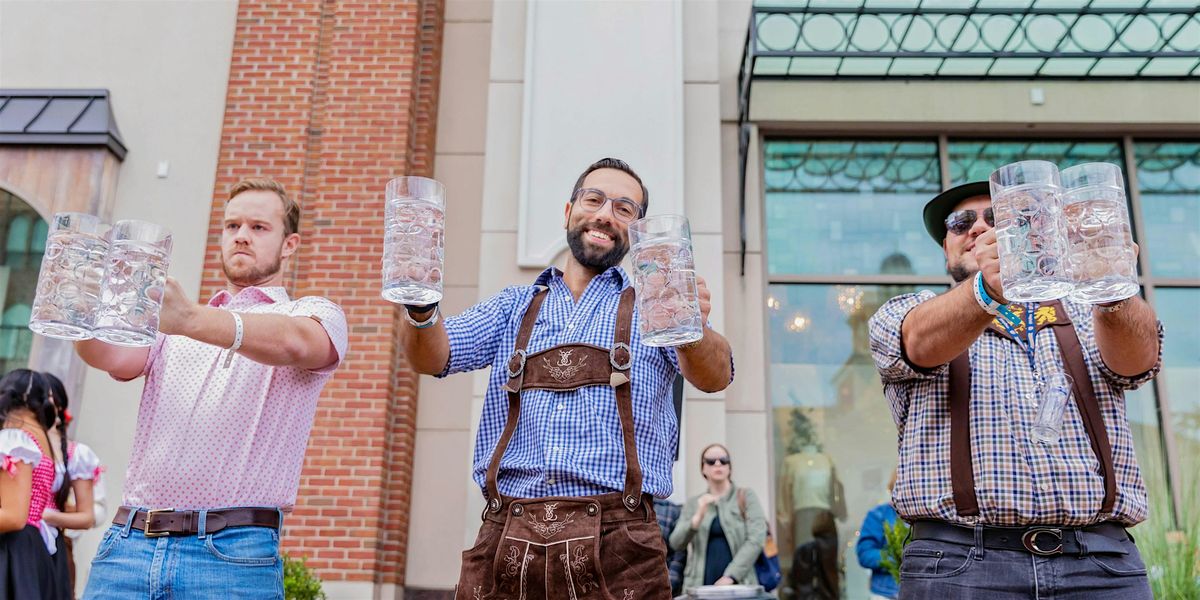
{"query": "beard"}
(593, 259)
(959, 272)
(252, 275)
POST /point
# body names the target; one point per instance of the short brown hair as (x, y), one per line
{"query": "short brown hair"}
(291, 210)
(619, 165)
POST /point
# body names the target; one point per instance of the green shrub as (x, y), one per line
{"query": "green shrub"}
(299, 583)
(890, 555)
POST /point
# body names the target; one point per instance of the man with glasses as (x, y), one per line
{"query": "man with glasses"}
(995, 513)
(578, 430)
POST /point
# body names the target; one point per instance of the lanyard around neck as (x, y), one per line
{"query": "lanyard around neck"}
(1030, 331)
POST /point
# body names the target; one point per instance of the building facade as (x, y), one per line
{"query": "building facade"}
(801, 141)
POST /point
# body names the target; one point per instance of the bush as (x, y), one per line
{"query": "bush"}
(890, 555)
(299, 583)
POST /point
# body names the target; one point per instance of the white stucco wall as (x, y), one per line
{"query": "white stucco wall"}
(166, 65)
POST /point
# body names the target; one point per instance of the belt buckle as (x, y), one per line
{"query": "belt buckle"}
(1029, 540)
(146, 530)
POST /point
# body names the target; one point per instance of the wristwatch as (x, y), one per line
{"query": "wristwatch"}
(420, 311)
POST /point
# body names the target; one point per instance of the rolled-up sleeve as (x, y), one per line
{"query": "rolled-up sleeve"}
(886, 347)
(475, 333)
(1123, 382)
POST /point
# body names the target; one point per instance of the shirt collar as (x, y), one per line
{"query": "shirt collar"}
(250, 295)
(614, 274)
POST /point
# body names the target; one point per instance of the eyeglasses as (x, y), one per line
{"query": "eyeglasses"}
(720, 459)
(592, 200)
(960, 221)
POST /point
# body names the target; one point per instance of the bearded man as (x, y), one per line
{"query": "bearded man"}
(578, 431)
(230, 393)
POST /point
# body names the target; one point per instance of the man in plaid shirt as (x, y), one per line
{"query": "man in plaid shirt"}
(995, 513)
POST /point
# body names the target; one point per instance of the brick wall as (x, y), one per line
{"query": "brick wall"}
(333, 98)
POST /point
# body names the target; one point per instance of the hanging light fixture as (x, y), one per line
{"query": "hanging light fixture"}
(849, 299)
(798, 323)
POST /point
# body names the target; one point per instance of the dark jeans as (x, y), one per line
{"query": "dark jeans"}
(935, 569)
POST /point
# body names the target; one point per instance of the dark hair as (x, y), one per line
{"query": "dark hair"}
(22, 388)
(58, 397)
(620, 165)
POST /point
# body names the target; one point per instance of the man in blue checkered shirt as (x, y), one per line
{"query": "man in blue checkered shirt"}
(578, 430)
(997, 511)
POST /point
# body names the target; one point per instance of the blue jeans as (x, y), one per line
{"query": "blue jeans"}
(935, 569)
(237, 562)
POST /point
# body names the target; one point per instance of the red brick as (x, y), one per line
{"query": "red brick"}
(332, 98)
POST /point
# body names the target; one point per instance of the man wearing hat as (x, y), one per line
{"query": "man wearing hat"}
(995, 513)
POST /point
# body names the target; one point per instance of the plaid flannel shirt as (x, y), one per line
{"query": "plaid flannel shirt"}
(1018, 482)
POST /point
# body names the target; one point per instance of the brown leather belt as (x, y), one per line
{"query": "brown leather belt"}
(160, 522)
(611, 507)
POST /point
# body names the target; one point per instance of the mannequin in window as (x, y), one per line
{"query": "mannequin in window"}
(810, 499)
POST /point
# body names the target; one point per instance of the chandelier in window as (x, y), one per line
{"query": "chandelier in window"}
(798, 323)
(849, 299)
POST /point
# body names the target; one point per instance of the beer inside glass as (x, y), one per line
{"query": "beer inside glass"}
(664, 275)
(415, 225)
(134, 278)
(1101, 256)
(68, 287)
(1030, 231)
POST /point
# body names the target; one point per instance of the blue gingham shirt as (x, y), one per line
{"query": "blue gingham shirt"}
(1017, 482)
(566, 443)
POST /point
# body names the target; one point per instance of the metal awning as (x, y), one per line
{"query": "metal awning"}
(59, 117)
(965, 40)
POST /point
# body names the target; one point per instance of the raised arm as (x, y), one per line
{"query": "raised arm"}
(709, 364)
(1128, 338)
(427, 349)
(276, 340)
(122, 363)
(937, 331)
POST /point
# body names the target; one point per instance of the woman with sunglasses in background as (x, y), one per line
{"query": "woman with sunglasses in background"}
(724, 538)
(26, 478)
(76, 488)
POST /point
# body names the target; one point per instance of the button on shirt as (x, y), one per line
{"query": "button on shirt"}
(566, 443)
(214, 437)
(1017, 481)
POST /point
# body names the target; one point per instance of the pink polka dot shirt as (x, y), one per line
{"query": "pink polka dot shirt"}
(214, 437)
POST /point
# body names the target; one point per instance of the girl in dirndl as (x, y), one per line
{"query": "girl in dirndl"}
(26, 480)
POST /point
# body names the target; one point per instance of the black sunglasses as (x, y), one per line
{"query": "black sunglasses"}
(712, 461)
(960, 221)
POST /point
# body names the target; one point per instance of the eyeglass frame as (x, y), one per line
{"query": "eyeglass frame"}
(607, 199)
(983, 213)
(712, 462)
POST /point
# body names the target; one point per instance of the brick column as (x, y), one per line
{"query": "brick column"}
(332, 98)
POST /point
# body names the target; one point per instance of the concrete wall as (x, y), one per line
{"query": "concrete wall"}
(166, 64)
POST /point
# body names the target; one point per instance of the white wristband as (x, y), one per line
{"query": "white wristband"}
(986, 302)
(237, 338)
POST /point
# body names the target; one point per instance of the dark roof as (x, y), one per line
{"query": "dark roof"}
(59, 117)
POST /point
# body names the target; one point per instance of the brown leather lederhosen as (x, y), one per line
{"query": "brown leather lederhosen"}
(606, 547)
(962, 473)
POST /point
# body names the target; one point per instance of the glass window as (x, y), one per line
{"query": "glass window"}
(848, 207)
(1181, 375)
(835, 441)
(1169, 181)
(19, 266)
(975, 160)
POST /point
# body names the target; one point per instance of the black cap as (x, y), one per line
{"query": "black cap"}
(943, 204)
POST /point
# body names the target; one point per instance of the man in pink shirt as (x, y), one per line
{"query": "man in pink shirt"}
(230, 393)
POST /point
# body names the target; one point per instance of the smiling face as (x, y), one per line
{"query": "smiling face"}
(599, 240)
(960, 261)
(253, 241)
